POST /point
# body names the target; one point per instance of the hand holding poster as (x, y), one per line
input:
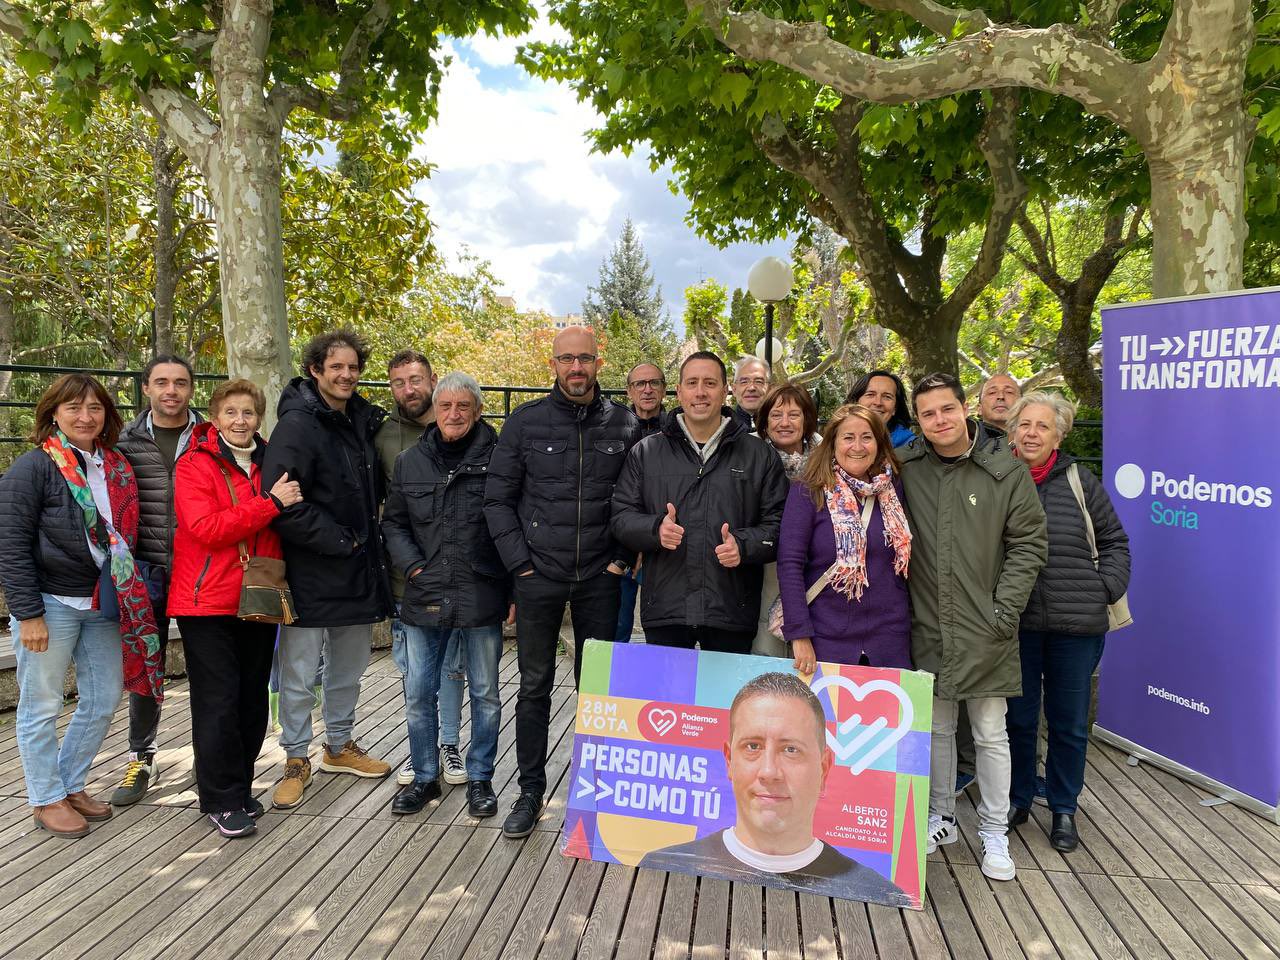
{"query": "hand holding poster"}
(734, 767)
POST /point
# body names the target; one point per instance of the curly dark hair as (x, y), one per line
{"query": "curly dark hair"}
(319, 347)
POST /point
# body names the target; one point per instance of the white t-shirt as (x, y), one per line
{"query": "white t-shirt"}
(767, 862)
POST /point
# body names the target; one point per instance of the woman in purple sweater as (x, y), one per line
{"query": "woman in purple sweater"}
(844, 520)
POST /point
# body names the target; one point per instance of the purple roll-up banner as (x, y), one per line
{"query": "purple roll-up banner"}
(1191, 447)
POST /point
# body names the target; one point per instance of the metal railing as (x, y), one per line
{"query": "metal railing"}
(128, 384)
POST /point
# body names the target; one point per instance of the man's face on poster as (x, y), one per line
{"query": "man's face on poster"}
(777, 759)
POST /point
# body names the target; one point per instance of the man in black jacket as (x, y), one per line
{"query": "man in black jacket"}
(457, 592)
(152, 444)
(333, 553)
(547, 506)
(703, 501)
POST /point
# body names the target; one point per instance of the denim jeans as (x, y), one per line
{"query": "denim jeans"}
(628, 590)
(987, 720)
(92, 643)
(425, 649)
(452, 680)
(1066, 664)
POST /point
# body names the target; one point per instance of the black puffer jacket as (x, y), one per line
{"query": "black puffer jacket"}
(156, 519)
(742, 484)
(550, 481)
(332, 542)
(43, 548)
(434, 519)
(1070, 596)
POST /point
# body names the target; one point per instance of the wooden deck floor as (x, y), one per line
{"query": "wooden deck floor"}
(1158, 875)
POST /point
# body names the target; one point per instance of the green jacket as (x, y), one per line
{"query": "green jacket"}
(396, 435)
(978, 542)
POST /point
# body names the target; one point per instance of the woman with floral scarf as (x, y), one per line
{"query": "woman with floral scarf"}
(69, 509)
(845, 524)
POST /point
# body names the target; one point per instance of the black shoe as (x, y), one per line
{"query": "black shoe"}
(524, 814)
(1018, 816)
(233, 823)
(253, 808)
(481, 801)
(416, 796)
(1063, 836)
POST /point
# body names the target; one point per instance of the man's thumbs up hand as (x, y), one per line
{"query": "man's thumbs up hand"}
(670, 533)
(727, 553)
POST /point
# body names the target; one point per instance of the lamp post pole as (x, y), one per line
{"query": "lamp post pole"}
(769, 281)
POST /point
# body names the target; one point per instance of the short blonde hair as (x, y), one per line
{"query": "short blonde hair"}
(230, 388)
(1064, 411)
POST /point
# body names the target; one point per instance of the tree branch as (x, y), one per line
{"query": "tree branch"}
(942, 20)
(11, 22)
(825, 364)
(1054, 59)
(186, 122)
(999, 145)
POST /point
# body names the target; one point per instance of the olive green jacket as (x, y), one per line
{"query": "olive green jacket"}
(978, 541)
(396, 435)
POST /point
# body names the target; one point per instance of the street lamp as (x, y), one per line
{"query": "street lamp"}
(769, 281)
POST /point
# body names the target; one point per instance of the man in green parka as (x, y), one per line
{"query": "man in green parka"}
(978, 543)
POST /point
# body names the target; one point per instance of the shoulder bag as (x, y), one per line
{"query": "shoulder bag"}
(264, 592)
(1118, 615)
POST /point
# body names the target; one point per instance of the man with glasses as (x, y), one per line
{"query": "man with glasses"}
(646, 388)
(547, 505)
(750, 384)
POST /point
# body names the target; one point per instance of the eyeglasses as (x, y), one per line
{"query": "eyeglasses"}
(751, 382)
(583, 358)
(411, 382)
(650, 384)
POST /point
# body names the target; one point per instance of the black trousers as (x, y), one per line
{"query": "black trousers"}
(712, 639)
(228, 667)
(593, 608)
(144, 711)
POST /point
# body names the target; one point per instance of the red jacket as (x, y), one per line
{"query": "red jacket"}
(206, 559)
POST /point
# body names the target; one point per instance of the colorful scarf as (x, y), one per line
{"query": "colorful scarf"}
(850, 577)
(1041, 473)
(140, 639)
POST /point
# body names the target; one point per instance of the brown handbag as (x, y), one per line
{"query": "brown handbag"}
(264, 592)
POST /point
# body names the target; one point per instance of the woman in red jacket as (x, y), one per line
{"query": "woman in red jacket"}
(228, 659)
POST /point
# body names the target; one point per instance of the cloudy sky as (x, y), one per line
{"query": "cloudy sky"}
(517, 184)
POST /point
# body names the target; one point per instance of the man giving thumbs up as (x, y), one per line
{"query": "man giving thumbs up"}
(702, 500)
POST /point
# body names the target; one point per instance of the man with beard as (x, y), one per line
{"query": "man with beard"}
(547, 506)
(333, 553)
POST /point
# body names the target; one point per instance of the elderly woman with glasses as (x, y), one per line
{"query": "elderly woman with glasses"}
(1062, 629)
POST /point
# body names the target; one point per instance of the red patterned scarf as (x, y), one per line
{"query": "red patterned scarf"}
(850, 578)
(139, 637)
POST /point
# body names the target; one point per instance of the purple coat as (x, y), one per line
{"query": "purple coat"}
(878, 625)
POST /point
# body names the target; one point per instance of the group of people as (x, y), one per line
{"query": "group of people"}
(964, 551)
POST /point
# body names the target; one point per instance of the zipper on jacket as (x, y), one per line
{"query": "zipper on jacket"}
(195, 598)
(577, 544)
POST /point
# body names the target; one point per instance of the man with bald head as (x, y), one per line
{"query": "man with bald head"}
(997, 398)
(547, 506)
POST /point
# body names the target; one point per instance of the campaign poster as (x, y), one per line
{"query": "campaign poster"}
(736, 767)
(1192, 463)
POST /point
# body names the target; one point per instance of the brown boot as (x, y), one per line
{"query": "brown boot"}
(62, 820)
(95, 811)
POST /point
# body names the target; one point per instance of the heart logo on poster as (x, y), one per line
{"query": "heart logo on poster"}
(662, 720)
(859, 692)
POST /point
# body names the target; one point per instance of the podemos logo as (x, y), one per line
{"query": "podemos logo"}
(1132, 482)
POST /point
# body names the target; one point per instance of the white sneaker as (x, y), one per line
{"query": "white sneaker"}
(451, 765)
(996, 862)
(941, 831)
(404, 776)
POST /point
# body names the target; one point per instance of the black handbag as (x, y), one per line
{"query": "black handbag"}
(153, 575)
